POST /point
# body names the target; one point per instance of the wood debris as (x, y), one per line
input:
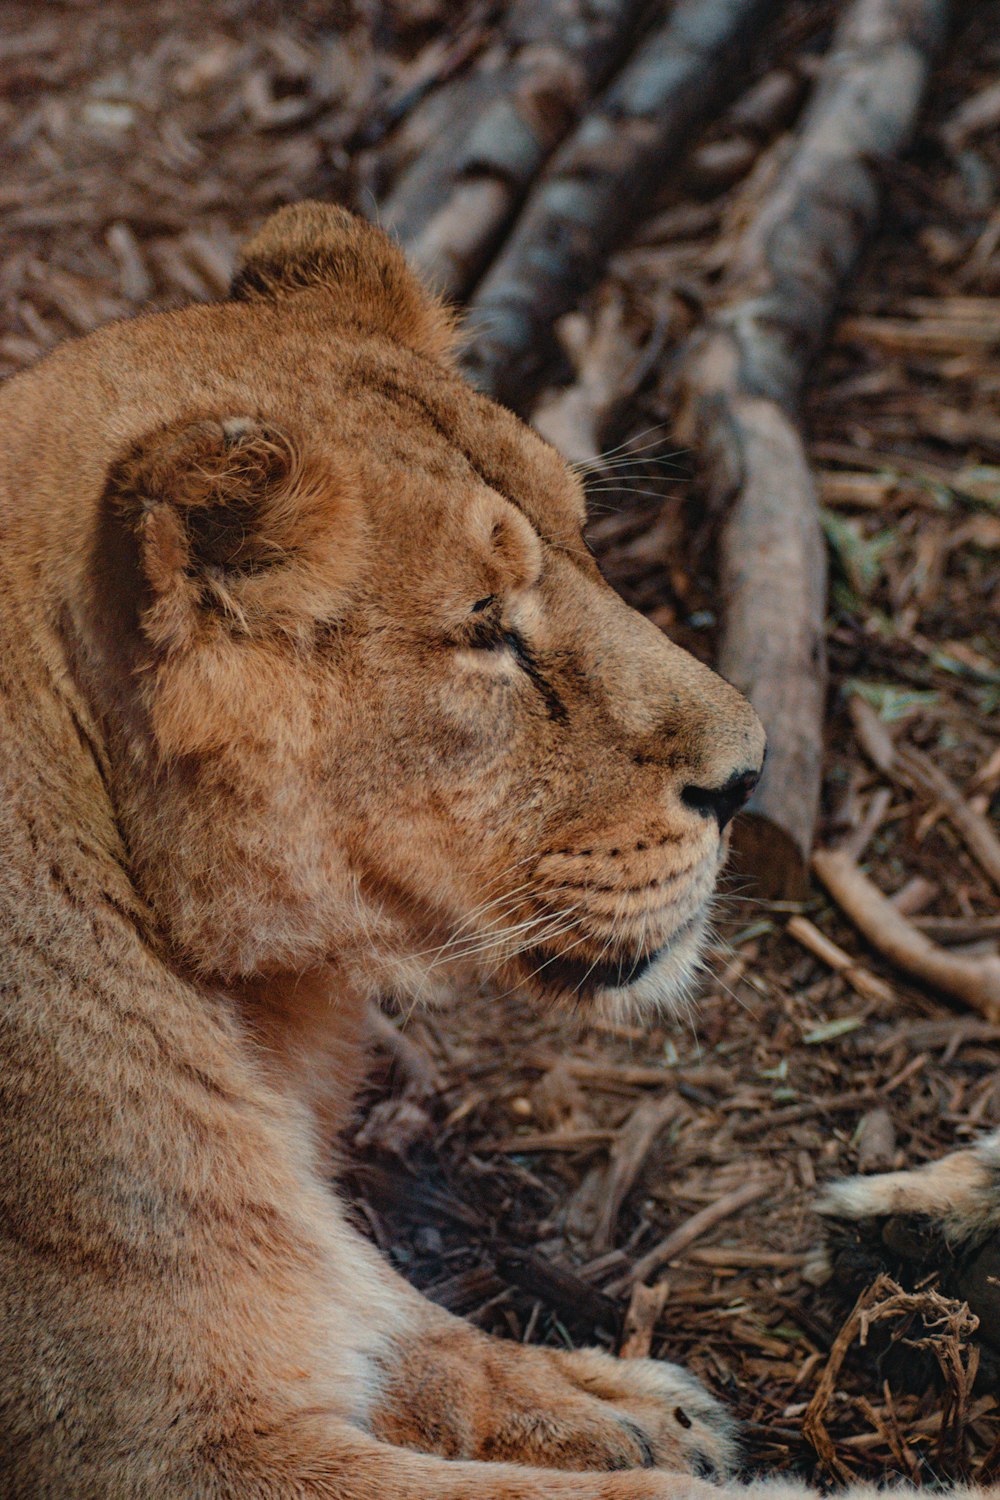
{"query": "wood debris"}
(593, 190)
(943, 1327)
(973, 981)
(910, 765)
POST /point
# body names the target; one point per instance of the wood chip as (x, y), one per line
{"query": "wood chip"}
(645, 1306)
(864, 983)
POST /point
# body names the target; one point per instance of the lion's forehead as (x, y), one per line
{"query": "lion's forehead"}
(423, 429)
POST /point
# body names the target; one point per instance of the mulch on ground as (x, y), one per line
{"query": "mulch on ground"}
(518, 1166)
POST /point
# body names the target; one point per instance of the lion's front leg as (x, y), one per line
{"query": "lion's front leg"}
(452, 1390)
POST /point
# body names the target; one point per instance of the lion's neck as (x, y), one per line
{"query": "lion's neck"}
(63, 840)
(312, 1032)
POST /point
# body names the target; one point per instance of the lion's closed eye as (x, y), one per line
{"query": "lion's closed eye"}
(491, 634)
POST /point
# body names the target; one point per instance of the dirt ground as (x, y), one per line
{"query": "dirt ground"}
(518, 1165)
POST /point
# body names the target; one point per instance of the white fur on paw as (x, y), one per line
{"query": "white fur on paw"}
(713, 1430)
(685, 1412)
(960, 1193)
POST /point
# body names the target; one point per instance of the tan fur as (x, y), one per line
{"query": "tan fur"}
(264, 760)
(959, 1194)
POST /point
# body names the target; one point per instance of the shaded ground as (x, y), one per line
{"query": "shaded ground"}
(141, 143)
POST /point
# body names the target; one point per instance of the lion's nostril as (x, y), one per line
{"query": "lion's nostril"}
(721, 802)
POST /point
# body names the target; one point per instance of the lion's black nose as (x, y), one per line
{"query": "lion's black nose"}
(722, 802)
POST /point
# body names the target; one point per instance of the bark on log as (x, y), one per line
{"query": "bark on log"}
(598, 183)
(608, 357)
(450, 208)
(739, 384)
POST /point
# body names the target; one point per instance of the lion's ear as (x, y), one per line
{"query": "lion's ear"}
(227, 521)
(310, 246)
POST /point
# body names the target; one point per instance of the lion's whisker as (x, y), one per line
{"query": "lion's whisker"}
(627, 444)
(459, 940)
(486, 942)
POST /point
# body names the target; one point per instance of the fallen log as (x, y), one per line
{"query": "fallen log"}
(597, 184)
(610, 360)
(496, 129)
(436, 73)
(975, 981)
(738, 385)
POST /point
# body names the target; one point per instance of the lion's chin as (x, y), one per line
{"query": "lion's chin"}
(658, 983)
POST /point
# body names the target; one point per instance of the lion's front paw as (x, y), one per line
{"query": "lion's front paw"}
(592, 1411)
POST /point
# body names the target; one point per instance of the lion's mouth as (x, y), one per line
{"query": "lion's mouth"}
(585, 977)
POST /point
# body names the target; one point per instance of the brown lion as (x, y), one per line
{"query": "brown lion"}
(311, 693)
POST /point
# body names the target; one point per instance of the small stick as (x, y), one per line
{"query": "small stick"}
(873, 735)
(875, 815)
(955, 930)
(628, 1155)
(911, 767)
(861, 981)
(793, 1114)
(558, 1287)
(913, 897)
(628, 1075)
(974, 981)
(692, 1229)
(644, 1309)
(978, 836)
(554, 1140)
(739, 1257)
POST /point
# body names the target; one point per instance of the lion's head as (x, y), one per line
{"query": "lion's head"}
(365, 696)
